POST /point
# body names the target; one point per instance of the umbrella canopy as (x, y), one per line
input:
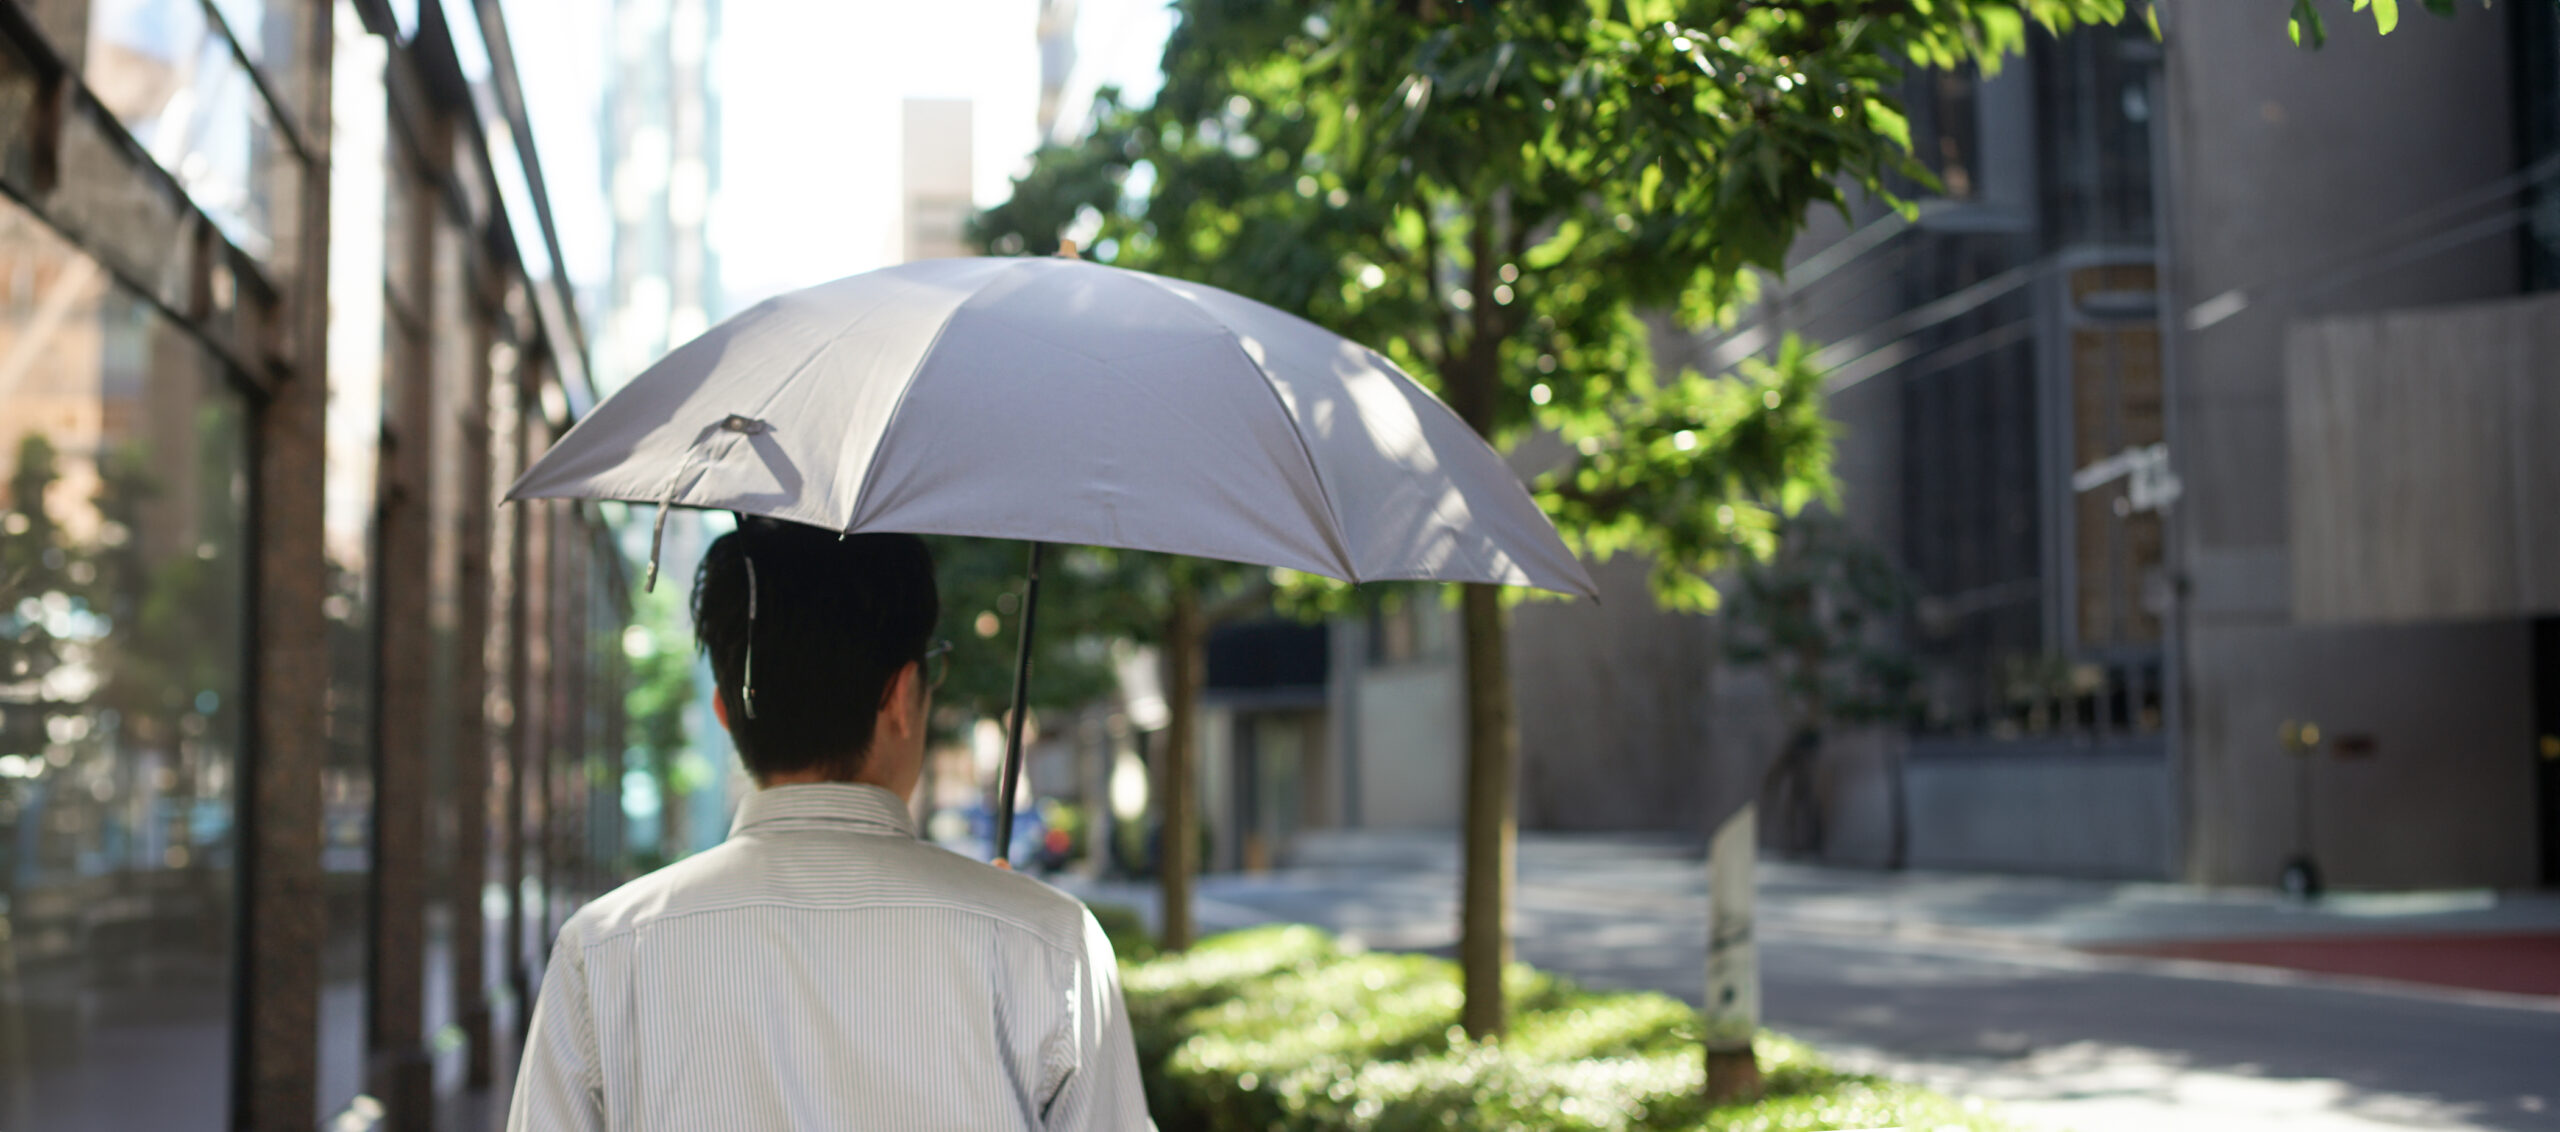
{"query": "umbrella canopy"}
(1054, 400)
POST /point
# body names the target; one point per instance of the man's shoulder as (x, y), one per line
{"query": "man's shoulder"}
(923, 873)
(1003, 893)
(888, 874)
(671, 888)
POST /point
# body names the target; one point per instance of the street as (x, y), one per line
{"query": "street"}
(1975, 986)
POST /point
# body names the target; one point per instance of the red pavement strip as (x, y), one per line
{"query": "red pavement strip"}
(2519, 963)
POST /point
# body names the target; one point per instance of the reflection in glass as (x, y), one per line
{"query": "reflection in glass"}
(166, 72)
(449, 373)
(122, 490)
(250, 21)
(357, 191)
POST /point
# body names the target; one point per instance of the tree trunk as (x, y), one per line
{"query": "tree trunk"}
(1732, 1013)
(1484, 941)
(1093, 791)
(1177, 799)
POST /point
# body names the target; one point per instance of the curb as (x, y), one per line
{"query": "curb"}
(1971, 942)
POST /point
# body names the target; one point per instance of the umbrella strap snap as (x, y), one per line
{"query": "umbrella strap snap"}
(728, 430)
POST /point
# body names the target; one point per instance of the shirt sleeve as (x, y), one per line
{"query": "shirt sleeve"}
(1101, 1092)
(560, 1087)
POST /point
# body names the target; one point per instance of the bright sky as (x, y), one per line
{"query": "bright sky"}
(810, 93)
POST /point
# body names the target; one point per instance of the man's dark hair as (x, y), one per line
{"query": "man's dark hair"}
(836, 618)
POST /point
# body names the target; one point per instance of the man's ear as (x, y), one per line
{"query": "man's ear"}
(903, 701)
(720, 707)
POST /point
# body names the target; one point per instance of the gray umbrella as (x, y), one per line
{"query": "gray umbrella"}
(1053, 400)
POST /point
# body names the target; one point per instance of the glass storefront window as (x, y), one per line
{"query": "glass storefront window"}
(508, 375)
(248, 19)
(168, 74)
(123, 490)
(2095, 107)
(450, 370)
(351, 506)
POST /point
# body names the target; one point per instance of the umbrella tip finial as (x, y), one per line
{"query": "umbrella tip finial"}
(1067, 249)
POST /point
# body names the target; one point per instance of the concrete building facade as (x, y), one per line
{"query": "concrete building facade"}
(935, 160)
(2428, 768)
(2137, 402)
(661, 165)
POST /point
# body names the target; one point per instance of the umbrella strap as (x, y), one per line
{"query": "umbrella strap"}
(657, 534)
(666, 500)
(747, 695)
(729, 430)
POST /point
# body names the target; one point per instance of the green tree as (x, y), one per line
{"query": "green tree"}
(1085, 603)
(657, 704)
(1194, 597)
(1090, 597)
(1512, 201)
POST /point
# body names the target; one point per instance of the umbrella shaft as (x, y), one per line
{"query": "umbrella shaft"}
(1021, 698)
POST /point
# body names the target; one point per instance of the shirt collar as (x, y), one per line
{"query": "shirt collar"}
(854, 807)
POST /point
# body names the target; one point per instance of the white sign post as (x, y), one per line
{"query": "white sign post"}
(1732, 1013)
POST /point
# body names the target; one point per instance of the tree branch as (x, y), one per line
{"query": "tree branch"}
(1604, 504)
(1442, 324)
(1518, 243)
(1256, 595)
(1484, 322)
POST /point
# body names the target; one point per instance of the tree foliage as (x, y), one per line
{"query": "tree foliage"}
(1514, 201)
(2308, 29)
(1088, 598)
(658, 702)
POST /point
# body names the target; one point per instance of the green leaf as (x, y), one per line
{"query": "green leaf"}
(2304, 25)
(2004, 31)
(2386, 14)
(1884, 118)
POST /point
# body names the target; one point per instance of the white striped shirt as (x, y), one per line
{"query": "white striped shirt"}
(823, 969)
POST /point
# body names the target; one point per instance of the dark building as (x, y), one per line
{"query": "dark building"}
(306, 743)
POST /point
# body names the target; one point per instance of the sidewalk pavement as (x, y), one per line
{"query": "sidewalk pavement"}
(2078, 1005)
(2478, 940)
(1368, 882)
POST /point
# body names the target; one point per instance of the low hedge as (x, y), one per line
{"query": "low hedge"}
(1287, 1028)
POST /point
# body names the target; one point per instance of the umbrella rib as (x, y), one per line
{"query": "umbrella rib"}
(1334, 537)
(1518, 484)
(889, 423)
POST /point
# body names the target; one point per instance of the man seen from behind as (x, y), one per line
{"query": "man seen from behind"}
(823, 969)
